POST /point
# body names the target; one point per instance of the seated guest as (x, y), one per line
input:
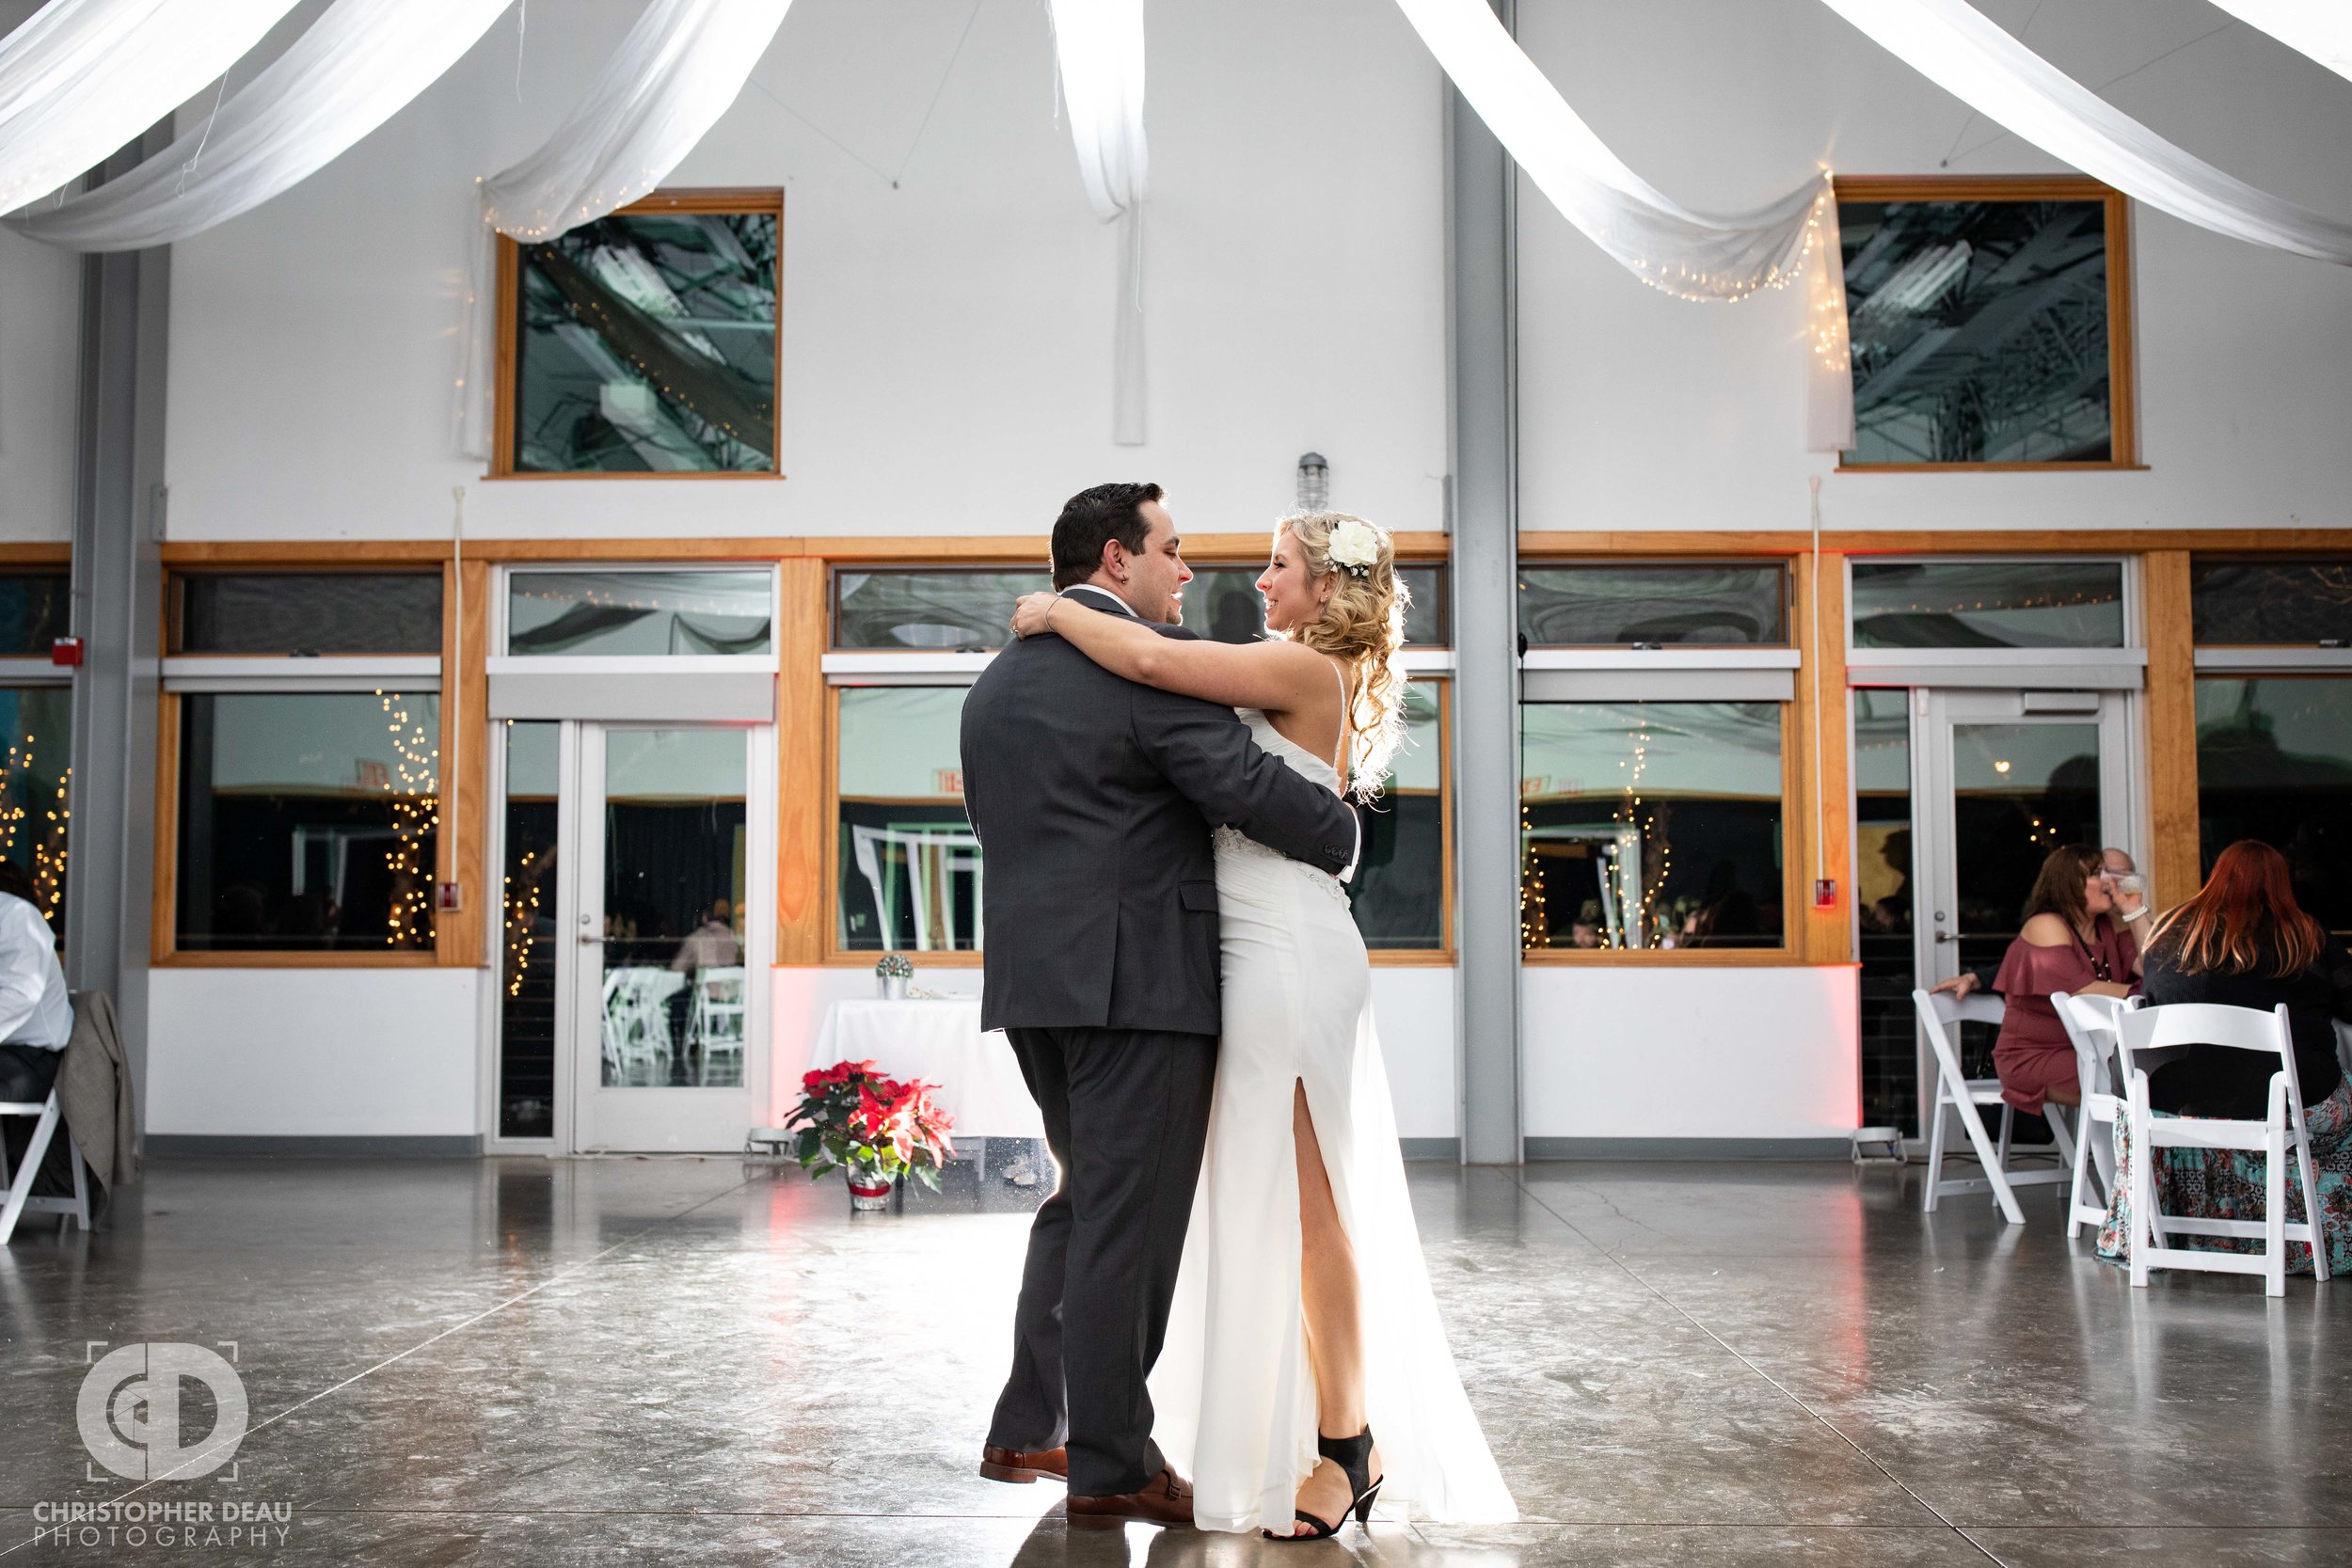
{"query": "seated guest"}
(2243, 941)
(36, 1014)
(2069, 942)
(2131, 904)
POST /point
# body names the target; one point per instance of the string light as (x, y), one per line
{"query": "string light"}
(48, 847)
(521, 913)
(413, 782)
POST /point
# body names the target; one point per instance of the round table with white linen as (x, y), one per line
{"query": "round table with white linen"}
(939, 1042)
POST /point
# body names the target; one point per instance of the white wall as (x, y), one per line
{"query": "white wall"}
(1642, 411)
(40, 301)
(947, 340)
(350, 1053)
(1415, 1008)
(1688, 1053)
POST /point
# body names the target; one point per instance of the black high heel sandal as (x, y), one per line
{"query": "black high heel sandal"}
(1353, 1455)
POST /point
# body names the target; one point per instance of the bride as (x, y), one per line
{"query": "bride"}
(1303, 1318)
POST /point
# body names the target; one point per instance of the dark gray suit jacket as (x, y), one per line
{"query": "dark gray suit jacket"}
(1093, 796)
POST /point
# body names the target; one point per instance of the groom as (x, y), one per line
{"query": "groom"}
(1093, 797)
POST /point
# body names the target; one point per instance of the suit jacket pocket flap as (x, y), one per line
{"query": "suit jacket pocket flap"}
(1200, 896)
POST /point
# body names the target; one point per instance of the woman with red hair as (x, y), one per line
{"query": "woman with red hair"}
(2243, 941)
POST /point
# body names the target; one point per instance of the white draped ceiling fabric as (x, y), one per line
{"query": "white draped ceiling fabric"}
(83, 77)
(2320, 29)
(1693, 254)
(351, 71)
(678, 71)
(1955, 46)
(1098, 48)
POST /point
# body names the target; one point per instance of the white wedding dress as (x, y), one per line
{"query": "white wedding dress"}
(1233, 1390)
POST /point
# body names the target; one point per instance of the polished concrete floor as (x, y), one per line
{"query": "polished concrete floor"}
(609, 1361)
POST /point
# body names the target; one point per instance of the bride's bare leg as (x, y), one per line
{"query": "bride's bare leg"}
(1330, 1296)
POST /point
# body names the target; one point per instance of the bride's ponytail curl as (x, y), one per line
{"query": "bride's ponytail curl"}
(1362, 626)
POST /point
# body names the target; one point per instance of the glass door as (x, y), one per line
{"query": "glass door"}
(667, 893)
(1999, 780)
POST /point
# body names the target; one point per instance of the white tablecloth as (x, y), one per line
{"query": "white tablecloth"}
(939, 1042)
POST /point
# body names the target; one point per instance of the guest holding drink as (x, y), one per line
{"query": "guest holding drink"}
(2073, 941)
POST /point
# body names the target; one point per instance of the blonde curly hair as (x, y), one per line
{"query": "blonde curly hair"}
(1364, 626)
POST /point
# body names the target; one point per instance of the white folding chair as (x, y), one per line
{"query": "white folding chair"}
(21, 1200)
(1962, 1097)
(2146, 1038)
(719, 1014)
(2090, 1025)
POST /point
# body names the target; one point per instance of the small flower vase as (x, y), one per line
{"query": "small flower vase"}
(893, 987)
(870, 1189)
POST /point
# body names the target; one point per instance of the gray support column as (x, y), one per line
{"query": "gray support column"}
(117, 581)
(1481, 218)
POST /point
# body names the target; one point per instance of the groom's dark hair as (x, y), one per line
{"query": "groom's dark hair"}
(1093, 518)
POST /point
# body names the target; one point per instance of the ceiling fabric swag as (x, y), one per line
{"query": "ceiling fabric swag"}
(80, 79)
(1098, 52)
(1693, 254)
(678, 70)
(1959, 50)
(2320, 29)
(356, 67)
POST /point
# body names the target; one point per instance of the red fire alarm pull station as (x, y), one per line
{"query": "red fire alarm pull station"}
(65, 651)
(1825, 893)
(446, 898)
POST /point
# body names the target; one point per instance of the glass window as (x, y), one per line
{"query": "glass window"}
(308, 821)
(2274, 762)
(645, 343)
(1988, 604)
(307, 612)
(639, 614)
(2281, 603)
(908, 865)
(1882, 893)
(36, 779)
(1980, 331)
(527, 934)
(36, 608)
(674, 848)
(941, 610)
(1735, 605)
(969, 610)
(1399, 891)
(1222, 602)
(1650, 825)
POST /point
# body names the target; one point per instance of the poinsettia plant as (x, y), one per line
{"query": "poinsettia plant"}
(851, 1116)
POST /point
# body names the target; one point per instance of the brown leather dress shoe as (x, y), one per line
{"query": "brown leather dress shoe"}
(1167, 1499)
(1021, 1467)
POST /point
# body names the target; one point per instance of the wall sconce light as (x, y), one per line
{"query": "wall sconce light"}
(1314, 482)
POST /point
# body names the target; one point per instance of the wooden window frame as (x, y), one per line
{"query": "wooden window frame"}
(2122, 386)
(507, 280)
(459, 936)
(1790, 950)
(1812, 936)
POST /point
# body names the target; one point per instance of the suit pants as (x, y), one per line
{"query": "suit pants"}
(1126, 1113)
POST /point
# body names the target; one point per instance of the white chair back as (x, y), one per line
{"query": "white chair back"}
(2145, 1038)
(2091, 1026)
(1962, 1098)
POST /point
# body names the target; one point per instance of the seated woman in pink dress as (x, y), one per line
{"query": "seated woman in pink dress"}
(2072, 942)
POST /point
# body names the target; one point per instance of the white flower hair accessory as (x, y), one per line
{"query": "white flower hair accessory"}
(1355, 548)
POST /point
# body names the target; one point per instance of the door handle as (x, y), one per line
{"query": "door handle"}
(587, 940)
(1940, 936)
